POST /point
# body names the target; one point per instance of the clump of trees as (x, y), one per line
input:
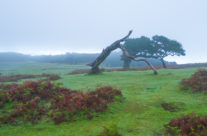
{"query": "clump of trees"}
(139, 49)
(107, 51)
(158, 47)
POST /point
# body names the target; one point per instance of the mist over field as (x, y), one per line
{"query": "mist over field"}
(55, 27)
(103, 68)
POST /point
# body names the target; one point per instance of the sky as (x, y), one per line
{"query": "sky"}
(58, 26)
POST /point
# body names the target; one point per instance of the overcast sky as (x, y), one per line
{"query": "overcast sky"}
(59, 26)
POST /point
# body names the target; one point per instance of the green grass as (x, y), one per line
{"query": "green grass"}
(140, 114)
(7, 68)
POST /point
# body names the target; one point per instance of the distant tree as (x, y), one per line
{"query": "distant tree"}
(165, 47)
(159, 48)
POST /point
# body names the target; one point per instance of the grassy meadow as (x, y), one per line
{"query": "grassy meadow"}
(139, 114)
(12, 68)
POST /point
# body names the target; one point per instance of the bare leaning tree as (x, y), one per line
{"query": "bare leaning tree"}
(106, 52)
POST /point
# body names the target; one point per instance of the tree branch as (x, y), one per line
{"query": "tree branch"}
(133, 58)
(107, 51)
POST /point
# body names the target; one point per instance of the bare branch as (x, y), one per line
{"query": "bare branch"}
(133, 58)
(107, 51)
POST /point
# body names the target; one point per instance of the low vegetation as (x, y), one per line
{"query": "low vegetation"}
(197, 82)
(140, 68)
(33, 100)
(15, 78)
(110, 130)
(149, 103)
(172, 107)
(188, 125)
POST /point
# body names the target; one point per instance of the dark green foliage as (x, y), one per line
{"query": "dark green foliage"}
(110, 130)
(188, 125)
(138, 47)
(196, 83)
(158, 48)
(165, 47)
(32, 100)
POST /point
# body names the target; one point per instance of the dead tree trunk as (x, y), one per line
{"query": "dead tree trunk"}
(133, 58)
(105, 53)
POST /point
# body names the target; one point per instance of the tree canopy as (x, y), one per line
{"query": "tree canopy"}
(158, 47)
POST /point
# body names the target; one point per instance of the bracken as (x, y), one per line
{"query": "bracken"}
(188, 125)
(34, 99)
(196, 83)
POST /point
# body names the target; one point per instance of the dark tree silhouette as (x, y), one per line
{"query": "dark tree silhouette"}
(159, 48)
(138, 47)
(165, 47)
(105, 53)
(134, 58)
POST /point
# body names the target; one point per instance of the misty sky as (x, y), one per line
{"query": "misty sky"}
(59, 26)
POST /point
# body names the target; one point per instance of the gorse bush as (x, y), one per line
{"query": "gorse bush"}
(188, 125)
(197, 82)
(32, 100)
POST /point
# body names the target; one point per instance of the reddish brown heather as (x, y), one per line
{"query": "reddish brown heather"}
(34, 99)
(188, 125)
(15, 78)
(197, 82)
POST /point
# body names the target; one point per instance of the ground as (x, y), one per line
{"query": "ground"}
(139, 114)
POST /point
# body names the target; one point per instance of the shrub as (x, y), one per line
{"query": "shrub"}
(34, 99)
(172, 107)
(197, 82)
(58, 117)
(110, 130)
(15, 78)
(188, 125)
(92, 101)
(53, 77)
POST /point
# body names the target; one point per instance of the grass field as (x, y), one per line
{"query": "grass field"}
(140, 114)
(37, 68)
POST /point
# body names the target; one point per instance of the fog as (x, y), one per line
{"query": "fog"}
(59, 26)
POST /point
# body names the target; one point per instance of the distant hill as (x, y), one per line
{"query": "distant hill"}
(12, 56)
(72, 58)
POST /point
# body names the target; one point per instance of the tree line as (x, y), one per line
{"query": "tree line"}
(73, 59)
(155, 50)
